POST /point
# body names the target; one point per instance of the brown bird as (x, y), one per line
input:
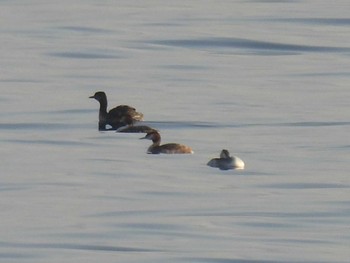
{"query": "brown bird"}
(156, 148)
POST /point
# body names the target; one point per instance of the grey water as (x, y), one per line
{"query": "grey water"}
(267, 80)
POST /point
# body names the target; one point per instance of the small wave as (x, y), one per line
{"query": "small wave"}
(240, 43)
(41, 126)
(128, 213)
(83, 29)
(315, 123)
(75, 247)
(180, 124)
(306, 186)
(153, 227)
(317, 21)
(51, 142)
(21, 80)
(219, 125)
(229, 260)
(74, 111)
(33, 126)
(84, 55)
(273, 1)
(299, 124)
(16, 256)
(305, 215)
(6, 188)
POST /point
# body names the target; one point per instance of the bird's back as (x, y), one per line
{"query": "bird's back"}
(170, 148)
(122, 110)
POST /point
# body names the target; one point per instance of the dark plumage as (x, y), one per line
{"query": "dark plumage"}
(131, 128)
(156, 148)
(114, 116)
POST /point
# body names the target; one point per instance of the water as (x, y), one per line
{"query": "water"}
(268, 80)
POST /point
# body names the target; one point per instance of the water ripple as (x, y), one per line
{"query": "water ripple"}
(41, 126)
(200, 125)
(85, 55)
(180, 124)
(305, 215)
(16, 256)
(273, 1)
(83, 29)
(8, 187)
(300, 124)
(306, 186)
(317, 21)
(240, 43)
(314, 123)
(231, 260)
(64, 143)
(75, 247)
(33, 126)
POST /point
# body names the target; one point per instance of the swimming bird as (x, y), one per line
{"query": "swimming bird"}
(131, 128)
(156, 148)
(113, 117)
(226, 162)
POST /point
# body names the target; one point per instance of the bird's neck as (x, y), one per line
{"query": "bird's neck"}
(156, 139)
(103, 106)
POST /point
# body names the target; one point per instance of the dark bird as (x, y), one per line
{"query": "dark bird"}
(114, 116)
(131, 128)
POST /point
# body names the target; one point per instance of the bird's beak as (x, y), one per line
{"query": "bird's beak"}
(143, 138)
(92, 97)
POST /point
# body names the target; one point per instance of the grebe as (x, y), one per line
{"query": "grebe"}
(156, 148)
(131, 128)
(226, 162)
(113, 117)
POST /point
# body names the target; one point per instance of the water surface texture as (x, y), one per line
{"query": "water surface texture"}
(267, 80)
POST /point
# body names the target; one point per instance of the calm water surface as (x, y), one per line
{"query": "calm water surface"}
(268, 80)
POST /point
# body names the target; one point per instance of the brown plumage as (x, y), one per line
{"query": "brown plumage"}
(169, 148)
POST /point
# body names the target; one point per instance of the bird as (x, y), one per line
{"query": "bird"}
(226, 162)
(169, 148)
(114, 116)
(131, 128)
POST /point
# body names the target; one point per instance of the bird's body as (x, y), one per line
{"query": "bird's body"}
(226, 162)
(114, 116)
(169, 148)
(131, 128)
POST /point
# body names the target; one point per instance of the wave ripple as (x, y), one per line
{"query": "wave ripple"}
(240, 43)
